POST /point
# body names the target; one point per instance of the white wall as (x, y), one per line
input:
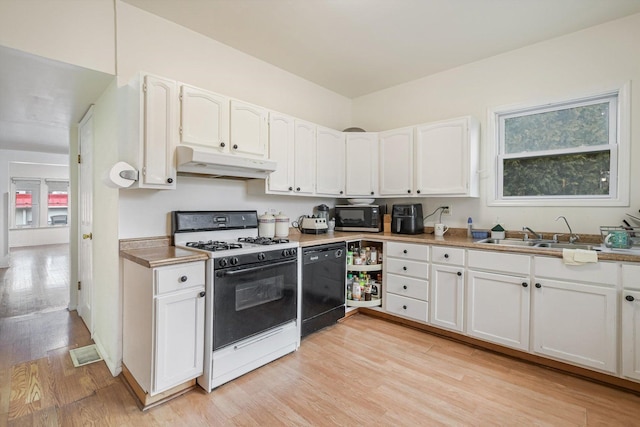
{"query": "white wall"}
(8, 156)
(76, 32)
(585, 62)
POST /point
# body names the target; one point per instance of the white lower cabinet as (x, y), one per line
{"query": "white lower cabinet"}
(498, 299)
(447, 288)
(631, 321)
(163, 317)
(406, 271)
(576, 321)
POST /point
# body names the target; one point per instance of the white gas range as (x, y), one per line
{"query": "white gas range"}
(252, 306)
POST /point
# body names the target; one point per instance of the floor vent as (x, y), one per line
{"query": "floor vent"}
(85, 355)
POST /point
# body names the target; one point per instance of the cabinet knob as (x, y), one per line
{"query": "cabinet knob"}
(202, 294)
(169, 180)
(404, 307)
(235, 146)
(290, 188)
(446, 255)
(404, 286)
(404, 268)
(418, 191)
(183, 279)
(525, 284)
(341, 192)
(629, 298)
(404, 252)
(222, 144)
(408, 191)
(297, 188)
(372, 193)
(459, 273)
(538, 285)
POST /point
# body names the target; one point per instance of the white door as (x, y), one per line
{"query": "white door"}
(329, 162)
(85, 219)
(396, 162)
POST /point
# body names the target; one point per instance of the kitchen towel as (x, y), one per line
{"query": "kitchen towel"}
(578, 256)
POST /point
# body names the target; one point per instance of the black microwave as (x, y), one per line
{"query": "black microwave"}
(359, 218)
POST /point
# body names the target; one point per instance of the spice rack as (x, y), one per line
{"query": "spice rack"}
(367, 264)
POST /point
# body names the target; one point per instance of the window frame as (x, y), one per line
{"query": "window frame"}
(619, 151)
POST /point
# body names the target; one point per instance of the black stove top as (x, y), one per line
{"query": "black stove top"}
(262, 240)
(214, 246)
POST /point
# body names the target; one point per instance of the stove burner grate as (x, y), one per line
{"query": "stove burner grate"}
(214, 245)
(262, 240)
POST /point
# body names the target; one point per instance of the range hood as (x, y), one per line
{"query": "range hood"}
(194, 161)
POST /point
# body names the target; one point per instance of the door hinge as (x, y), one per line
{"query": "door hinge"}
(144, 87)
(79, 285)
(79, 159)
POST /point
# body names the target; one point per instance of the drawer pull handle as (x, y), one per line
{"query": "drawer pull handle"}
(525, 284)
(446, 255)
(404, 307)
(202, 294)
(404, 268)
(183, 279)
(404, 252)
(459, 273)
(629, 298)
(405, 287)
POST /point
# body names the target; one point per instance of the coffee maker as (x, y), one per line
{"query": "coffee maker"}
(407, 219)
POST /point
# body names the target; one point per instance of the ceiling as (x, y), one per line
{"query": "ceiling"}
(42, 99)
(352, 47)
(355, 47)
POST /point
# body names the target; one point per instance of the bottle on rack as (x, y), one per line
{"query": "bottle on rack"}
(349, 286)
(356, 292)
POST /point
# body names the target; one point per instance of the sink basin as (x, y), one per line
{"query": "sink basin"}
(552, 245)
(509, 242)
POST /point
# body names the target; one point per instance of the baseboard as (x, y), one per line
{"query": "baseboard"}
(114, 367)
(4, 262)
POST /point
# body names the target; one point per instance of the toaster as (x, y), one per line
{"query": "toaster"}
(407, 219)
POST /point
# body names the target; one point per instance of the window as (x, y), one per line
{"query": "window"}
(567, 153)
(26, 196)
(57, 202)
(39, 202)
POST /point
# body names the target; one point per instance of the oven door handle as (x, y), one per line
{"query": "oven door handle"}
(260, 267)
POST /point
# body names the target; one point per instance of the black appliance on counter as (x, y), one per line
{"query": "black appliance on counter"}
(323, 286)
(359, 217)
(407, 219)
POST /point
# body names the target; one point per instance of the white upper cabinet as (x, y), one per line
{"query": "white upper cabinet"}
(330, 162)
(304, 157)
(204, 118)
(249, 130)
(396, 162)
(159, 133)
(281, 149)
(447, 158)
(362, 164)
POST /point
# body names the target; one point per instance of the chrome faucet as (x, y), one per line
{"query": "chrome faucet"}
(572, 237)
(538, 236)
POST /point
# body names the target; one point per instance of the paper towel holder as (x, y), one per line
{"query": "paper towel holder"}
(129, 174)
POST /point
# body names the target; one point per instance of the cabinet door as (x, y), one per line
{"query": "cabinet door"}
(248, 135)
(575, 322)
(631, 334)
(444, 159)
(304, 157)
(498, 308)
(204, 118)
(160, 132)
(281, 149)
(179, 349)
(330, 162)
(362, 164)
(447, 297)
(396, 162)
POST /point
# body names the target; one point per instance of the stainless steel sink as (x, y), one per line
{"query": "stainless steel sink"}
(552, 245)
(509, 242)
(547, 244)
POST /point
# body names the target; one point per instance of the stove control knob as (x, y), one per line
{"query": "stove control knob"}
(234, 260)
(286, 252)
(222, 262)
(261, 256)
(293, 251)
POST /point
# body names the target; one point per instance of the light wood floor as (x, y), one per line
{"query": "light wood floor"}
(363, 371)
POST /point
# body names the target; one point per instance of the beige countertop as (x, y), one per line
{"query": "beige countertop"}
(155, 252)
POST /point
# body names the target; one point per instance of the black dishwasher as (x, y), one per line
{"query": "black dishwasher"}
(323, 286)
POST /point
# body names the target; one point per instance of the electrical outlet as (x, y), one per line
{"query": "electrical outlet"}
(446, 211)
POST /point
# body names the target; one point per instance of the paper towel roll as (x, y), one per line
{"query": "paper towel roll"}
(121, 175)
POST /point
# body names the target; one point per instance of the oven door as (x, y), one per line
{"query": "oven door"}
(250, 300)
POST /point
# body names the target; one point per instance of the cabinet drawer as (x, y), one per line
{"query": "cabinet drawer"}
(177, 277)
(601, 273)
(444, 255)
(500, 261)
(630, 276)
(407, 307)
(408, 251)
(408, 287)
(408, 268)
